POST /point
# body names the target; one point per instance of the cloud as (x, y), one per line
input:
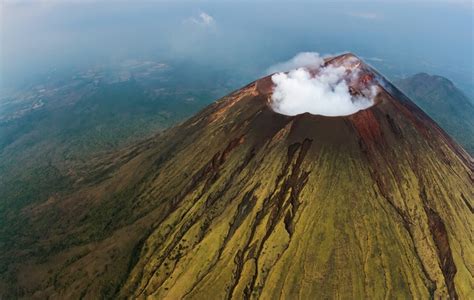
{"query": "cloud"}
(206, 19)
(321, 92)
(364, 15)
(203, 19)
(301, 60)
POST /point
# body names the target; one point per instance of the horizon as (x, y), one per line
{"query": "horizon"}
(398, 38)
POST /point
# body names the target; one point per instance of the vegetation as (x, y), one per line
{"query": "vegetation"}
(47, 152)
(445, 103)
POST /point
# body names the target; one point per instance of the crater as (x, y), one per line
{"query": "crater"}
(338, 86)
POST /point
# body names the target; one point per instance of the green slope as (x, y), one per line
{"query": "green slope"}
(445, 103)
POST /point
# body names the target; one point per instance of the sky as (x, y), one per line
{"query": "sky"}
(399, 38)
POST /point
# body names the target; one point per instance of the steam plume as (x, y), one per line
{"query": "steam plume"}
(301, 60)
(319, 90)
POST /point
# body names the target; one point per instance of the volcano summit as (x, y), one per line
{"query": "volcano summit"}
(242, 201)
(336, 88)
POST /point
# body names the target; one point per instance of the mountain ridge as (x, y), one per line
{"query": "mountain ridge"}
(447, 105)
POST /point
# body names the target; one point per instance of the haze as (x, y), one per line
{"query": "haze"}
(243, 37)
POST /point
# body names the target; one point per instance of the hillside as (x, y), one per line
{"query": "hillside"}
(445, 103)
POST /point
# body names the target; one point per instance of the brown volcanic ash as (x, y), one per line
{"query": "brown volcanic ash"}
(242, 202)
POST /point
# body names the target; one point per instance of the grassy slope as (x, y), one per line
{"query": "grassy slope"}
(239, 201)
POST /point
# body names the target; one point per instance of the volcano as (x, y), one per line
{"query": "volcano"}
(240, 202)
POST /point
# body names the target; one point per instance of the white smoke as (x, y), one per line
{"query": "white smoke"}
(301, 60)
(325, 93)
